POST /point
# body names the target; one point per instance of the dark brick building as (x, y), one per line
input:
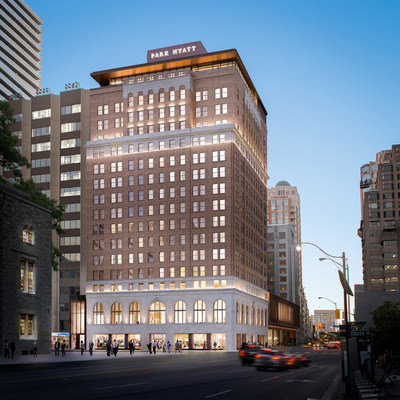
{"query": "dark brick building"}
(25, 278)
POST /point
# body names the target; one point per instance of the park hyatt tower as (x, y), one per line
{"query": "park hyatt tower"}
(176, 209)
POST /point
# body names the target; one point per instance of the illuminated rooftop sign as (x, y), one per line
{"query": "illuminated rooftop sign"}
(178, 51)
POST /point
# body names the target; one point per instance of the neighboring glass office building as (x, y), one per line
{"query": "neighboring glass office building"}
(176, 202)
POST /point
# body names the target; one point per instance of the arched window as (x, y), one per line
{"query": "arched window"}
(237, 312)
(98, 314)
(157, 313)
(199, 312)
(140, 98)
(253, 316)
(243, 319)
(258, 317)
(219, 312)
(134, 313)
(180, 312)
(116, 314)
(150, 97)
(247, 314)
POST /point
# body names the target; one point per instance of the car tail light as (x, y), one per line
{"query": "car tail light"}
(276, 358)
(258, 356)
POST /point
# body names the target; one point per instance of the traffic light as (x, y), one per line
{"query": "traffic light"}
(319, 325)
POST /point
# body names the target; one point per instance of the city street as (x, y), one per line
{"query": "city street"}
(190, 375)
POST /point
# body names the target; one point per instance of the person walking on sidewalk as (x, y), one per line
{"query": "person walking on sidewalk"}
(131, 347)
(91, 348)
(35, 348)
(169, 346)
(63, 354)
(12, 348)
(57, 348)
(115, 348)
(82, 347)
(108, 347)
(6, 349)
(154, 347)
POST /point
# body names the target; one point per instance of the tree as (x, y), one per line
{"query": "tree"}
(13, 160)
(10, 157)
(386, 335)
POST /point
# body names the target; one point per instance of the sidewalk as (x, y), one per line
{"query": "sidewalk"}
(75, 355)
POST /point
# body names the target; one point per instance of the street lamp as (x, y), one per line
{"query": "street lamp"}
(346, 291)
(321, 297)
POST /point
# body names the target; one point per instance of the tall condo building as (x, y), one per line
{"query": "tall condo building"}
(380, 221)
(176, 202)
(20, 48)
(285, 272)
(52, 131)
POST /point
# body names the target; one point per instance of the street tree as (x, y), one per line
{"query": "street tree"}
(386, 335)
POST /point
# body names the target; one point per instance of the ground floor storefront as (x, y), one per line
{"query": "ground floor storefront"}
(195, 319)
(282, 337)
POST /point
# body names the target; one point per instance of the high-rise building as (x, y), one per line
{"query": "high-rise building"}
(283, 209)
(380, 234)
(20, 48)
(176, 202)
(380, 221)
(53, 130)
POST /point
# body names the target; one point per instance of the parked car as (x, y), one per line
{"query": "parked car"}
(247, 353)
(267, 358)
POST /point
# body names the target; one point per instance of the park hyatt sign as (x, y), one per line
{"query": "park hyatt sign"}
(173, 52)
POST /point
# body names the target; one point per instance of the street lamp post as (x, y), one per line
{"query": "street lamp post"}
(343, 277)
(333, 302)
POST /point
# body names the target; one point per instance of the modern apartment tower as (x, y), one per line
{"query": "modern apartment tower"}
(20, 48)
(52, 131)
(380, 221)
(176, 210)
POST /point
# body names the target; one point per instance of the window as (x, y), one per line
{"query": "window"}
(180, 312)
(157, 313)
(134, 313)
(116, 313)
(27, 276)
(98, 314)
(26, 326)
(28, 236)
(219, 312)
(199, 312)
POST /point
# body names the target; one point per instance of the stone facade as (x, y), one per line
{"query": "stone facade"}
(25, 279)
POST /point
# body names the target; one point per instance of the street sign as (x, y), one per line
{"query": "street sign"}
(360, 333)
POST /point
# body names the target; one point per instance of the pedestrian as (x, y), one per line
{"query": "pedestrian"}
(108, 347)
(131, 347)
(56, 348)
(35, 348)
(215, 345)
(154, 347)
(63, 354)
(163, 347)
(169, 346)
(177, 346)
(91, 348)
(115, 348)
(149, 346)
(82, 347)
(6, 349)
(12, 348)
(387, 361)
(204, 346)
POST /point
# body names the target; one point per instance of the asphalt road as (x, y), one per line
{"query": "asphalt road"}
(192, 375)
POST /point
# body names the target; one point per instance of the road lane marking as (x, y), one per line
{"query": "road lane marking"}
(49, 378)
(120, 386)
(234, 372)
(217, 394)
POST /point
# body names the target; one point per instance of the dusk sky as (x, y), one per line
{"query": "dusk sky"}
(327, 72)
